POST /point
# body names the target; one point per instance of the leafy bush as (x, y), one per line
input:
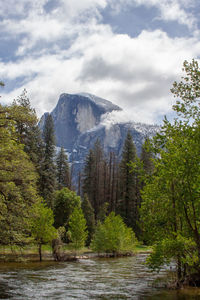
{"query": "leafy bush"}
(113, 236)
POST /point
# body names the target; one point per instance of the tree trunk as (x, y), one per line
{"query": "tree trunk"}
(179, 269)
(40, 251)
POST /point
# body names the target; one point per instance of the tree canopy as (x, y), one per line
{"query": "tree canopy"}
(171, 207)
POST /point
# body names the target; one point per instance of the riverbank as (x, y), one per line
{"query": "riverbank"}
(30, 253)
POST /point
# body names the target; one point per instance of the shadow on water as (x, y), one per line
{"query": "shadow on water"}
(121, 278)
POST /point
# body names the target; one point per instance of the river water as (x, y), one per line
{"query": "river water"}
(121, 278)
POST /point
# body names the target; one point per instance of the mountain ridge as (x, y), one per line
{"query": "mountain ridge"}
(80, 119)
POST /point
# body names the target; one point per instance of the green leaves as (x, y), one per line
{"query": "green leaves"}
(113, 236)
(42, 229)
(189, 92)
(65, 202)
(171, 206)
(77, 229)
(17, 181)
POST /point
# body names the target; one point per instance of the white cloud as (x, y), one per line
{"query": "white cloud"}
(172, 10)
(135, 73)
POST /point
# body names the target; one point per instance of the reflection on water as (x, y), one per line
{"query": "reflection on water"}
(122, 278)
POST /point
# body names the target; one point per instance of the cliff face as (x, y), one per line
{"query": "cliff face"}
(78, 124)
(76, 114)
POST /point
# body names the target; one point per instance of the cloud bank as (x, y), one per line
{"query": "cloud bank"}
(62, 46)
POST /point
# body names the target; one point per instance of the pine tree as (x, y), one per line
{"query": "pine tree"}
(128, 202)
(48, 180)
(89, 216)
(94, 177)
(65, 202)
(63, 171)
(24, 116)
(88, 176)
(147, 158)
(29, 132)
(112, 182)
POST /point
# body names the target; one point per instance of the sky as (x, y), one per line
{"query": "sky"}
(127, 51)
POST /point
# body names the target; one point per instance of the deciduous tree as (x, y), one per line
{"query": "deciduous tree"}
(42, 229)
(171, 207)
(77, 229)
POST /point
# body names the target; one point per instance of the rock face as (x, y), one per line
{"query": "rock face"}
(80, 119)
(76, 114)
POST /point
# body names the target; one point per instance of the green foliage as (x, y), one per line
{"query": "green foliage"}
(168, 249)
(17, 179)
(188, 91)
(113, 236)
(89, 216)
(61, 232)
(94, 177)
(48, 174)
(103, 212)
(63, 171)
(171, 208)
(65, 201)
(147, 158)
(128, 197)
(28, 131)
(42, 229)
(77, 229)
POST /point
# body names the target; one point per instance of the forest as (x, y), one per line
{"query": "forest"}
(119, 202)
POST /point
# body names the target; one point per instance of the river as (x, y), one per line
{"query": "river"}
(121, 278)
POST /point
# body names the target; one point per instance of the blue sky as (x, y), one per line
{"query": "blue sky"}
(126, 51)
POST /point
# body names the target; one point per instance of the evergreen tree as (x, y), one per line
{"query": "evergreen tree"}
(143, 169)
(128, 201)
(94, 177)
(112, 182)
(25, 118)
(65, 202)
(89, 216)
(17, 181)
(48, 177)
(28, 131)
(63, 171)
(88, 176)
(147, 158)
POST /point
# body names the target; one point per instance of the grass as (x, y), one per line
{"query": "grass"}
(30, 252)
(29, 249)
(142, 248)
